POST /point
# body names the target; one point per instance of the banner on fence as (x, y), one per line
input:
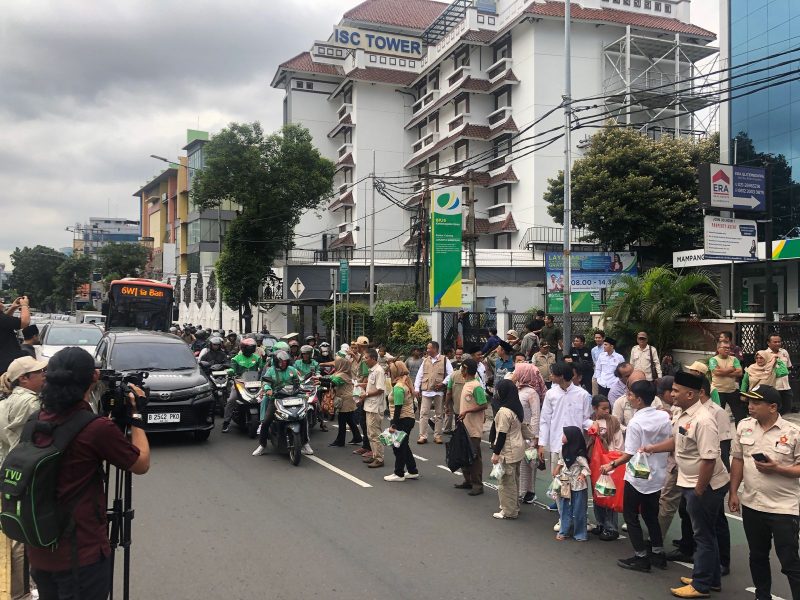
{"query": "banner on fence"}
(591, 273)
(446, 228)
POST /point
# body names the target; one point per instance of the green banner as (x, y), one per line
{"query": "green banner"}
(344, 277)
(446, 228)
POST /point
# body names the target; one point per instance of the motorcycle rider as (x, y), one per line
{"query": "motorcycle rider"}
(231, 343)
(279, 375)
(214, 353)
(325, 352)
(200, 340)
(260, 350)
(312, 341)
(245, 360)
(306, 365)
(294, 349)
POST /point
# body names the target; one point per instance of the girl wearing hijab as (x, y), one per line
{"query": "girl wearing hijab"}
(402, 418)
(343, 390)
(573, 471)
(508, 446)
(530, 386)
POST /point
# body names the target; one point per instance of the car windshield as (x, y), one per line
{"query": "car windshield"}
(151, 356)
(73, 336)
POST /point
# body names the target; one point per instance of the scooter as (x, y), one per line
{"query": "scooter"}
(219, 380)
(289, 430)
(246, 413)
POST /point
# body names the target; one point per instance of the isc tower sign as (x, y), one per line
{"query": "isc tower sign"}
(733, 187)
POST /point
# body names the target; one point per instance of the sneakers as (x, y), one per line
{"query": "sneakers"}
(463, 486)
(529, 498)
(498, 515)
(422, 440)
(609, 536)
(375, 464)
(677, 555)
(367, 456)
(437, 439)
(658, 560)
(357, 442)
(688, 581)
(557, 526)
(624, 527)
(360, 451)
(688, 591)
(635, 563)
(306, 449)
(552, 507)
(393, 477)
(226, 426)
(260, 450)
(476, 491)
(412, 475)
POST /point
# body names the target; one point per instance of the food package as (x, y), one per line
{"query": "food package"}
(605, 486)
(398, 436)
(386, 438)
(639, 467)
(530, 455)
(497, 473)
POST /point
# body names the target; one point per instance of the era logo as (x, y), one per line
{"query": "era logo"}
(720, 183)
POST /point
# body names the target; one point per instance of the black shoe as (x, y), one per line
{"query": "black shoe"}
(475, 491)
(336, 445)
(226, 427)
(677, 555)
(529, 498)
(658, 560)
(725, 570)
(596, 530)
(323, 428)
(357, 442)
(635, 563)
(463, 486)
(609, 536)
(447, 432)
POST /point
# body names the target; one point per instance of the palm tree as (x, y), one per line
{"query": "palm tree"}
(652, 302)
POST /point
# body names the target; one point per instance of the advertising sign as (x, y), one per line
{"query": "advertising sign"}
(591, 272)
(344, 277)
(373, 41)
(446, 228)
(732, 187)
(730, 239)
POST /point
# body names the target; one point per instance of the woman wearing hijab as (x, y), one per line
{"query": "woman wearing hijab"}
(767, 368)
(530, 387)
(343, 390)
(402, 419)
(508, 447)
(573, 472)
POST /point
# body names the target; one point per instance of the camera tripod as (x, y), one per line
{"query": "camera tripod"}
(120, 515)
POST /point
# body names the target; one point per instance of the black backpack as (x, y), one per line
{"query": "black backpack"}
(29, 510)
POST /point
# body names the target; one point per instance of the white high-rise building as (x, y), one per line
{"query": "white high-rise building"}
(421, 87)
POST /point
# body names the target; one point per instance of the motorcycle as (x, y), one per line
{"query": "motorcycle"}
(247, 412)
(219, 380)
(290, 426)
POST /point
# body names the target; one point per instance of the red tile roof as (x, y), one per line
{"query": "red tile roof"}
(346, 200)
(507, 176)
(414, 14)
(378, 75)
(619, 17)
(346, 161)
(481, 36)
(303, 62)
(507, 225)
(343, 242)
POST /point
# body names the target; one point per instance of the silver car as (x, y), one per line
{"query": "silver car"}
(60, 335)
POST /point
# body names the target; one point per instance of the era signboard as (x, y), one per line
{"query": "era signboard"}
(733, 187)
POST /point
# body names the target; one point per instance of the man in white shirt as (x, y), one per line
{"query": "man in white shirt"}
(430, 386)
(775, 345)
(599, 337)
(648, 426)
(645, 358)
(605, 366)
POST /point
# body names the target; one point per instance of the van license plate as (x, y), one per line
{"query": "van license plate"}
(164, 418)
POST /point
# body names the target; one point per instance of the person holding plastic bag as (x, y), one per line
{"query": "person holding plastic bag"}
(606, 430)
(508, 446)
(644, 477)
(405, 467)
(573, 473)
(472, 413)
(530, 386)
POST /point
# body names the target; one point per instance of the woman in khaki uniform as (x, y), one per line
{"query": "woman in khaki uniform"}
(508, 446)
(343, 391)
(405, 467)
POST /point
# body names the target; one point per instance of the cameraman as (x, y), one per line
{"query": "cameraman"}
(69, 380)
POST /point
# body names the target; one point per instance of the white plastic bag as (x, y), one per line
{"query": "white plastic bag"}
(497, 473)
(639, 467)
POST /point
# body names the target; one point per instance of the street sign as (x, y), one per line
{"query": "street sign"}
(733, 187)
(297, 288)
(344, 277)
(729, 239)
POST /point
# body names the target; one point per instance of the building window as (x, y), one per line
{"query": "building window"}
(402, 62)
(383, 60)
(298, 85)
(373, 58)
(480, 19)
(658, 6)
(412, 63)
(502, 241)
(461, 58)
(667, 8)
(320, 50)
(309, 85)
(462, 104)
(392, 61)
(491, 20)
(461, 150)
(330, 51)
(626, 2)
(637, 3)
(339, 52)
(502, 194)
(648, 4)
(502, 99)
(502, 50)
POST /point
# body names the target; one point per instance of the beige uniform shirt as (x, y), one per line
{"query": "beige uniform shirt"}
(473, 421)
(724, 383)
(781, 443)
(641, 361)
(376, 381)
(505, 421)
(697, 439)
(543, 362)
(722, 419)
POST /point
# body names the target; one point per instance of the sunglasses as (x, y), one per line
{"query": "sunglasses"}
(641, 338)
(40, 371)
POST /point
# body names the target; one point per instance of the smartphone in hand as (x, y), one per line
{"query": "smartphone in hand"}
(760, 457)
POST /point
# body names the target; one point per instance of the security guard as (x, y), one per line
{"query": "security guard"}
(766, 462)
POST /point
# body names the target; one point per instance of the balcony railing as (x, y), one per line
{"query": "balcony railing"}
(458, 75)
(427, 99)
(345, 110)
(497, 70)
(497, 117)
(426, 141)
(457, 121)
(345, 149)
(484, 257)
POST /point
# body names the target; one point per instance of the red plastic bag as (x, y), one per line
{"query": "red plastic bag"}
(601, 456)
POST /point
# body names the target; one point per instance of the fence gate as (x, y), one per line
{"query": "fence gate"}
(470, 331)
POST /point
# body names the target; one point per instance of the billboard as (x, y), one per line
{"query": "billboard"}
(732, 187)
(591, 272)
(446, 229)
(729, 239)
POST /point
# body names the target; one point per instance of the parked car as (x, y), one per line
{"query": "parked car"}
(55, 336)
(180, 395)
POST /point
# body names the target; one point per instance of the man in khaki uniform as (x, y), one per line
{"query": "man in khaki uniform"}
(703, 479)
(471, 412)
(452, 400)
(766, 462)
(373, 408)
(544, 360)
(429, 386)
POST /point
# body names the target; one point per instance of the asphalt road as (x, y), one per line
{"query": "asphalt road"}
(214, 522)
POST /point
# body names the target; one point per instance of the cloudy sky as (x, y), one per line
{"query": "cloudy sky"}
(88, 93)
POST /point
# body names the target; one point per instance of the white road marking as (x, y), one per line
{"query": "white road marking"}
(459, 473)
(683, 564)
(752, 590)
(338, 471)
(489, 485)
(422, 458)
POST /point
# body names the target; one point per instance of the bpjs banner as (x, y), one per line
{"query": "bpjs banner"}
(446, 228)
(591, 272)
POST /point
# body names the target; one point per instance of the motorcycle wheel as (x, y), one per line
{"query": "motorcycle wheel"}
(295, 444)
(312, 420)
(252, 428)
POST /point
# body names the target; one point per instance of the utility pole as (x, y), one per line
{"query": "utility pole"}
(567, 293)
(426, 210)
(372, 245)
(472, 239)
(768, 305)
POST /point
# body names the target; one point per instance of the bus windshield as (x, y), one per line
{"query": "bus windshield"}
(139, 304)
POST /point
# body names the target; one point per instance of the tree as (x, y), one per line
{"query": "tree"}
(122, 260)
(34, 272)
(653, 301)
(629, 189)
(274, 179)
(71, 273)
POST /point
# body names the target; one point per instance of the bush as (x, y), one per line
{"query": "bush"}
(419, 334)
(392, 320)
(358, 312)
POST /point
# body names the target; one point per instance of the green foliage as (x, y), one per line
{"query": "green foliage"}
(73, 272)
(35, 271)
(629, 189)
(274, 179)
(653, 301)
(122, 260)
(418, 333)
(389, 314)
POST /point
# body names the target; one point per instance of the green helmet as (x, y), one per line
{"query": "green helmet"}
(280, 346)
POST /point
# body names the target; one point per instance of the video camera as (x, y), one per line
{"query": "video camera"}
(114, 401)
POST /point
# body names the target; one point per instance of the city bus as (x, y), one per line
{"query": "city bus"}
(139, 304)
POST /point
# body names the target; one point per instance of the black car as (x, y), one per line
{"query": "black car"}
(180, 396)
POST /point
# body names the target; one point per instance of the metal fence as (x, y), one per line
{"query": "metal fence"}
(473, 328)
(581, 322)
(753, 336)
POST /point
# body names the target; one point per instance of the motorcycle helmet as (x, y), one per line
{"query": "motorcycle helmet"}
(325, 348)
(294, 343)
(248, 346)
(259, 338)
(280, 346)
(306, 350)
(310, 338)
(231, 335)
(215, 341)
(282, 360)
(173, 330)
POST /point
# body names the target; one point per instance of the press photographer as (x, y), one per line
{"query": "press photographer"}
(79, 565)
